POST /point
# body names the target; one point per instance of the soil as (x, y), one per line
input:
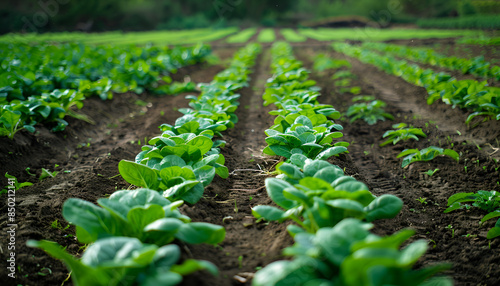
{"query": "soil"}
(87, 157)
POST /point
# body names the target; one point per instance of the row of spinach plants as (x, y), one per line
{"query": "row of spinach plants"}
(332, 211)
(44, 83)
(477, 96)
(131, 232)
(476, 66)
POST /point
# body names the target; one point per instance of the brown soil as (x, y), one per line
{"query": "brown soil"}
(248, 245)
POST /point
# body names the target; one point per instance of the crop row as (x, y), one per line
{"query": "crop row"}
(477, 96)
(118, 38)
(131, 231)
(477, 66)
(41, 84)
(333, 211)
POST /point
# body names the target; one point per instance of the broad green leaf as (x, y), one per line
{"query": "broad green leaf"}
(383, 207)
(97, 222)
(269, 213)
(275, 188)
(191, 265)
(188, 191)
(139, 175)
(200, 232)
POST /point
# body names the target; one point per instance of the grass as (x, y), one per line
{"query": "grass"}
(292, 36)
(266, 36)
(243, 36)
(372, 34)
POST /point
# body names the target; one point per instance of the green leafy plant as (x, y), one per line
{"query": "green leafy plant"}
(485, 200)
(316, 194)
(402, 134)
(370, 112)
(348, 254)
(140, 213)
(323, 62)
(299, 134)
(427, 154)
(125, 261)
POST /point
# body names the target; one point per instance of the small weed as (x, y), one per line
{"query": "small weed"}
(422, 200)
(240, 261)
(452, 230)
(430, 173)
(470, 235)
(433, 242)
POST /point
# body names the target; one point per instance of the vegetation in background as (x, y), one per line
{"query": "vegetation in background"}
(468, 22)
(243, 36)
(136, 15)
(266, 36)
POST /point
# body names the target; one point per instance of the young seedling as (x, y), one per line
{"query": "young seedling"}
(430, 173)
(47, 174)
(240, 261)
(13, 184)
(427, 154)
(402, 133)
(485, 200)
(450, 227)
(422, 200)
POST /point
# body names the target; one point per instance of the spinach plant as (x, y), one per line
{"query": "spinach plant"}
(13, 184)
(322, 197)
(348, 254)
(141, 213)
(122, 261)
(299, 134)
(485, 200)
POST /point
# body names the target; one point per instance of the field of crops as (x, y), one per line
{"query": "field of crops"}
(250, 157)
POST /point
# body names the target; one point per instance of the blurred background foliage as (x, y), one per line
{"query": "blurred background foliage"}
(136, 15)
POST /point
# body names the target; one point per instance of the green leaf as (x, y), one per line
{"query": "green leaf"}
(332, 151)
(349, 205)
(205, 174)
(188, 191)
(140, 216)
(383, 207)
(81, 273)
(291, 171)
(275, 188)
(412, 253)
(200, 232)
(298, 160)
(97, 222)
(269, 213)
(280, 151)
(451, 154)
(201, 142)
(138, 174)
(191, 265)
(491, 215)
